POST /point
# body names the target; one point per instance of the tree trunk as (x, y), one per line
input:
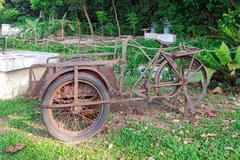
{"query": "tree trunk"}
(116, 17)
(89, 22)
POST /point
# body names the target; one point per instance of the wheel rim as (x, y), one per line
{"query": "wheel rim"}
(193, 87)
(75, 120)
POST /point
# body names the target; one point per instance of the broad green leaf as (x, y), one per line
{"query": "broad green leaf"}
(71, 27)
(210, 73)
(30, 23)
(228, 32)
(237, 58)
(223, 53)
(233, 66)
(36, 22)
(209, 61)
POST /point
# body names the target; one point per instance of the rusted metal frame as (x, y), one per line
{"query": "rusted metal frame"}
(153, 67)
(190, 66)
(70, 64)
(91, 103)
(80, 56)
(188, 99)
(139, 93)
(112, 101)
(145, 71)
(76, 85)
(115, 49)
(167, 84)
(170, 61)
(123, 64)
(138, 44)
(142, 50)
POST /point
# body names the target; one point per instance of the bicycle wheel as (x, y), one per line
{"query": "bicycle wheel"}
(75, 123)
(188, 90)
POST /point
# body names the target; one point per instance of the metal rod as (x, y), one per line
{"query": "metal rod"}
(76, 85)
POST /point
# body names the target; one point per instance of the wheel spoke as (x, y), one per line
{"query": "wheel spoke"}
(75, 119)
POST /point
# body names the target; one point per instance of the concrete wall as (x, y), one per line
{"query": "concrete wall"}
(15, 83)
(14, 71)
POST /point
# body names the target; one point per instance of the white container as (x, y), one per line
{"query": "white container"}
(166, 39)
(5, 29)
(14, 71)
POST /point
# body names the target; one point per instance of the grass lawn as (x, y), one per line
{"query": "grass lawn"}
(215, 136)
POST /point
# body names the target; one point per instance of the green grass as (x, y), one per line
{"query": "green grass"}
(137, 140)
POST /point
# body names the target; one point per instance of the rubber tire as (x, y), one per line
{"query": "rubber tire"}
(93, 129)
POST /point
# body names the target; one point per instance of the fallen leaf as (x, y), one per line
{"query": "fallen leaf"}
(187, 141)
(151, 158)
(110, 146)
(212, 113)
(217, 90)
(211, 135)
(162, 154)
(229, 148)
(15, 148)
(208, 135)
(176, 121)
(180, 133)
(104, 130)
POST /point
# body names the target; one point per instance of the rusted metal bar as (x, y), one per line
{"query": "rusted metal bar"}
(76, 85)
(167, 84)
(115, 49)
(70, 64)
(91, 103)
(145, 71)
(80, 56)
(123, 64)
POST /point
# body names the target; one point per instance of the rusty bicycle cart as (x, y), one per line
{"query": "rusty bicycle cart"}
(76, 91)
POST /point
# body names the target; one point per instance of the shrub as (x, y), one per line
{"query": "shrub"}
(224, 63)
(8, 15)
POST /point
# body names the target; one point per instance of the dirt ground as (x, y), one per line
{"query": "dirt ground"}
(158, 114)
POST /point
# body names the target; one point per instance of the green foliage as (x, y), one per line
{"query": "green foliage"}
(8, 15)
(222, 62)
(133, 20)
(33, 24)
(223, 54)
(237, 58)
(102, 18)
(110, 29)
(230, 34)
(189, 17)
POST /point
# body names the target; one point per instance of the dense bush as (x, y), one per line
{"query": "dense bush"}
(188, 17)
